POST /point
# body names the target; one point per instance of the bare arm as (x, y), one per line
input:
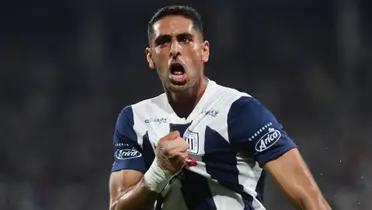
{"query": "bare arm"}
(131, 190)
(296, 181)
(128, 191)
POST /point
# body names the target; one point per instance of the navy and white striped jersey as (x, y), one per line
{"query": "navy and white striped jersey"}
(230, 134)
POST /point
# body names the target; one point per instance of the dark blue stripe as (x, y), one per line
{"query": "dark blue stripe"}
(195, 187)
(221, 164)
(260, 187)
(148, 152)
(247, 199)
(126, 138)
(124, 124)
(179, 127)
(196, 192)
(220, 159)
(149, 156)
(248, 121)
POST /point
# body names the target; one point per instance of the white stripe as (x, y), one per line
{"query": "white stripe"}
(148, 110)
(224, 198)
(225, 97)
(248, 177)
(174, 200)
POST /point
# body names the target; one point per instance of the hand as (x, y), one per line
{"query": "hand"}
(171, 152)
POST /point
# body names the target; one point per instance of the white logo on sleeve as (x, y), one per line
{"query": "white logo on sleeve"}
(124, 154)
(268, 140)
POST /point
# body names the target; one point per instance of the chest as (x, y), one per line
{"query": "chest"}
(199, 132)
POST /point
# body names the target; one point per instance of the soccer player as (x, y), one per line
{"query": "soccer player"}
(199, 145)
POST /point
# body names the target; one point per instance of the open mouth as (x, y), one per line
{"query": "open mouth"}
(177, 73)
(177, 69)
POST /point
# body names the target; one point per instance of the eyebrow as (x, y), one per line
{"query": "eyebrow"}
(162, 39)
(166, 37)
(185, 35)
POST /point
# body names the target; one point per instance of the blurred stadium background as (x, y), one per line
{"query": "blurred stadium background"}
(68, 67)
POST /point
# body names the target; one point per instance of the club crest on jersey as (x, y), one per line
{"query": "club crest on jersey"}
(124, 154)
(268, 140)
(192, 139)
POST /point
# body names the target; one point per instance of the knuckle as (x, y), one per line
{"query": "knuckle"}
(166, 153)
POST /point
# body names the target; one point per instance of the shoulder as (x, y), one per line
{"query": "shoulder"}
(142, 106)
(247, 104)
(227, 96)
(152, 105)
(246, 115)
(229, 92)
(128, 113)
(238, 105)
(249, 110)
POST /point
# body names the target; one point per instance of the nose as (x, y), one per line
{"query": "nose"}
(174, 50)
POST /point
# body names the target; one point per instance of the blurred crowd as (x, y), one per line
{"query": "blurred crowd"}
(67, 68)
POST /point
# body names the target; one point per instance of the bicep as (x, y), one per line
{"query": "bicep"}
(121, 181)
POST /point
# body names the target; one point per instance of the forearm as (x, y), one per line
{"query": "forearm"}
(138, 197)
(142, 195)
(133, 190)
(308, 195)
(296, 181)
(312, 200)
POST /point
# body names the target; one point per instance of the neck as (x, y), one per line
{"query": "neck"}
(184, 102)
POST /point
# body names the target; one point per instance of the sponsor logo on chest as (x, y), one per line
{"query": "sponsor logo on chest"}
(157, 120)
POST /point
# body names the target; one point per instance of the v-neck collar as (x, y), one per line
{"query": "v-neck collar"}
(197, 109)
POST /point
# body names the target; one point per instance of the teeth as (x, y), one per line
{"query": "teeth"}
(176, 69)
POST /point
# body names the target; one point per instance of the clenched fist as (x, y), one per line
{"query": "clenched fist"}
(171, 152)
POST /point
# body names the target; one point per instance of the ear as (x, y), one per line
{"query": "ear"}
(149, 58)
(205, 51)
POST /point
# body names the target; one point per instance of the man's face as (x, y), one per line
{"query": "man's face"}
(178, 53)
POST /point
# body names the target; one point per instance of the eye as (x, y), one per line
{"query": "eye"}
(185, 38)
(162, 40)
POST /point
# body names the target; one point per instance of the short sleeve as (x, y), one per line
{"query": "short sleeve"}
(127, 152)
(254, 130)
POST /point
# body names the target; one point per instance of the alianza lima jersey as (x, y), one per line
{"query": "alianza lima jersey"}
(230, 134)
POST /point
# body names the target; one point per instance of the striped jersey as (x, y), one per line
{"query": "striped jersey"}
(230, 134)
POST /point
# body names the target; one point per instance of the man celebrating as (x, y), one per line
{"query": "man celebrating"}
(199, 145)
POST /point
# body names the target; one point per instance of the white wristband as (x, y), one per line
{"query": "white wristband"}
(156, 178)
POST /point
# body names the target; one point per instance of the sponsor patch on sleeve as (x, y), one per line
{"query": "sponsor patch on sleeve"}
(268, 140)
(125, 152)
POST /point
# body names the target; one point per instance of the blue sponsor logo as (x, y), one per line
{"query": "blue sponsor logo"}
(268, 140)
(124, 154)
(212, 113)
(156, 120)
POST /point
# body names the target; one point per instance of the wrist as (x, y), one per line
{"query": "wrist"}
(156, 178)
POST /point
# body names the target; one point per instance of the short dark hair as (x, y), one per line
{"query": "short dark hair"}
(176, 10)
